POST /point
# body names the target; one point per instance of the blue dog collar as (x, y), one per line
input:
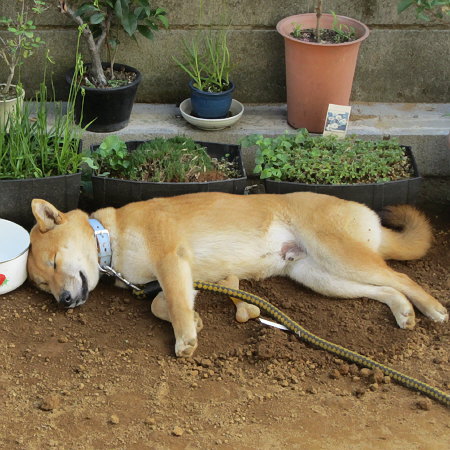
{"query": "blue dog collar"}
(103, 243)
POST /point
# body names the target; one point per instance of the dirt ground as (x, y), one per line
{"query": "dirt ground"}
(104, 376)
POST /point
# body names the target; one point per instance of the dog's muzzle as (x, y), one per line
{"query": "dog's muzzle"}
(67, 301)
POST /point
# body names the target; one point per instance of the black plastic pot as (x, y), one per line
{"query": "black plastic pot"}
(116, 192)
(108, 109)
(63, 191)
(374, 195)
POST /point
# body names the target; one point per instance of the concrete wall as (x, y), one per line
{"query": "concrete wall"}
(403, 60)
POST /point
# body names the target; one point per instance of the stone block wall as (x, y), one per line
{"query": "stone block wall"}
(403, 60)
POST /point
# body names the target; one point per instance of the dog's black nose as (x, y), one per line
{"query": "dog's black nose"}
(65, 299)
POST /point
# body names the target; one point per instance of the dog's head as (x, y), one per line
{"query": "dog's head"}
(63, 254)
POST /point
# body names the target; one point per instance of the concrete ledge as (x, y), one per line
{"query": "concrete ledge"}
(422, 126)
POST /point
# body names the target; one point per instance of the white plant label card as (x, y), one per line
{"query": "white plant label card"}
(337, 120)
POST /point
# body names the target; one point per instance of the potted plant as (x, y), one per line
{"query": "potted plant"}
(17, 43)
(138, 170)
(321, 51)
(377, 173)
(109, 89)
(207, 62)
(40, 157)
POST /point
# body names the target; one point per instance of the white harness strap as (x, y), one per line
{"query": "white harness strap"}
(103, 243)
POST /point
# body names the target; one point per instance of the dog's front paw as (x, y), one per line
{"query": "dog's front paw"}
(185, 349)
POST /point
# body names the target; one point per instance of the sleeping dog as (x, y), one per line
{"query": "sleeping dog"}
(335, 247)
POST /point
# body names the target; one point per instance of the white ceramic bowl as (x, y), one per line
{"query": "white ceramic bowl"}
(14, 245)
(236, 110)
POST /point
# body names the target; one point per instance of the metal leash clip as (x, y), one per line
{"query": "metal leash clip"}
(113, 273)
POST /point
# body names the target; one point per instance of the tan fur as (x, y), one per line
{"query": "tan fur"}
(414, 240)
(334, 247)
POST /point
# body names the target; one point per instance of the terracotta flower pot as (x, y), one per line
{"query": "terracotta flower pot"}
(318, 74)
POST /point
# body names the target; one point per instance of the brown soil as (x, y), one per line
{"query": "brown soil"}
(212, 175)
(104, 376)
(326, 36)
(12, 93)
(120, 78)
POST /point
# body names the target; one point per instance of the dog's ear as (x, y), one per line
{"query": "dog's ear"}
(47, 216)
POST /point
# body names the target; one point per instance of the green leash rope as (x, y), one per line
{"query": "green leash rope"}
(323, 344)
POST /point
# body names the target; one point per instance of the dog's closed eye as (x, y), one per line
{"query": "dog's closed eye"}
(52, 262)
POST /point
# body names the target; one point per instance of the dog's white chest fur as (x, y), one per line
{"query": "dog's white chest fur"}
(132, 259)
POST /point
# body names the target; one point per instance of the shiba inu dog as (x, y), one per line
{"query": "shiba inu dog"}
(335, 247)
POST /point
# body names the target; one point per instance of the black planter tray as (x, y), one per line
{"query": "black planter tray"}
(63, 191)
(116, 192)
(374, 195)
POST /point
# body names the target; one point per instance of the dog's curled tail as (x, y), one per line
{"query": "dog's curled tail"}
(406, 233)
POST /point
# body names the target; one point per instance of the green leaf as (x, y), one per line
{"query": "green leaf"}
(404, 4)
(145, 31)
(84, 9)
(164, 20)
(90, 163)
(118, 9)
(97, 18)
(139, 12)
(129, 23)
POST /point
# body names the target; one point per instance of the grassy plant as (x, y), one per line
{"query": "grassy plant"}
(328, 160)
(297, 30)
(177, 159)
(36, 147)
(207, 60)
(344, 33)
(38, 142)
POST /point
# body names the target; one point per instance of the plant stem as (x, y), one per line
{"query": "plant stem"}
(318, 15)
(94, 48)
(9, 80)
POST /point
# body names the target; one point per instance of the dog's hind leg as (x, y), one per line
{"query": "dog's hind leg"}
(423, 301)
(351, 260)
(308, 273)
(161, 310)
(244, 311)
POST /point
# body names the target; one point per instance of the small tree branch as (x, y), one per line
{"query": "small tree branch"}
(105, 32)
(318, 15)
(97, 69)
(9, 79)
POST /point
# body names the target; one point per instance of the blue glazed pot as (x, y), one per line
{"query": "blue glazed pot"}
(210, 105)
